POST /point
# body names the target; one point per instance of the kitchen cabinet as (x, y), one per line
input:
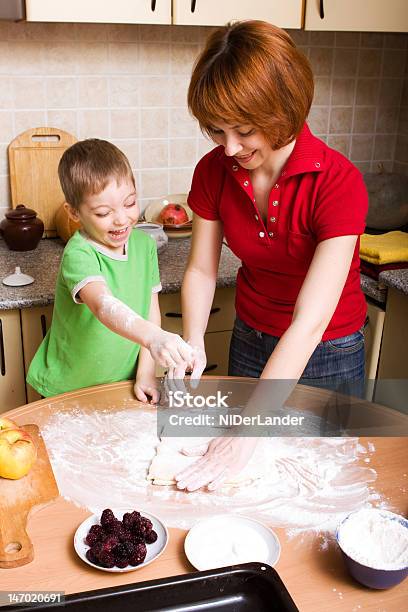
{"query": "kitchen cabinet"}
(357, 15)
(12, 383)
(95, 11)
(283, 13)
(391, 387)
(219, 329)
(373, 332)
(35, 322)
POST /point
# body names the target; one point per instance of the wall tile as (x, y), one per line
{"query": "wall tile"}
(5, 64)
(362, 147)
(154, 154)
(180, 180)
(154, 58)
(183, 152)
(345, 62)
(384, 146)
(204, 146)
(390, 92)
(340, 120)
(401, 168)
(322, 91)
(123, 58)
(348, 39)
(93, 32)
(61, 92)
(182, 58)
(178, 90)
(340, 143)
(395, 40)
(155, 91)
(92, 92)
(125, 91)
(363, 166)
(387, 119)
(28, 58)
(4, 168)
(154, 33)
(5, 197)
(154, 183)
(93, 124)
(154, 122)
(6, 126)
(394, 62)
(182, 124)
(25, 120)
(364, 119)
(64, 119)
(369, 62)
(92, 58)
(343, 92)
(300, 37)
(321, 39)
(131, 148)
(125, 123)
(6, 96)
(367, 91)
(318, 119)
(321, 59)
(374, 40)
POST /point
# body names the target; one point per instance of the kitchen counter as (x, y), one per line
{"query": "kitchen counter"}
(373, 289)
(43, 263)
(312, 571)
(396, 279)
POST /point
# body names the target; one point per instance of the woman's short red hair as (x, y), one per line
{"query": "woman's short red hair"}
(251, 72)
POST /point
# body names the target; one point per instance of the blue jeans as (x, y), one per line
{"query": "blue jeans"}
(335, 364)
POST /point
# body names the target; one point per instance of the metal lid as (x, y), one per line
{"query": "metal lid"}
(21, 213)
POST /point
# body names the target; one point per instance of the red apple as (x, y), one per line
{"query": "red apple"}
(173, 214)
(17, 453)
(7, 424)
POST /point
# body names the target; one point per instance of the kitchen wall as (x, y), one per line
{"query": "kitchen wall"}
(129, 83)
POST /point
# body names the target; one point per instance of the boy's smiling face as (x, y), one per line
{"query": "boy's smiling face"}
(108, 217)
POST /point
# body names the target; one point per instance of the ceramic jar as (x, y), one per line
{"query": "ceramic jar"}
(22, 229)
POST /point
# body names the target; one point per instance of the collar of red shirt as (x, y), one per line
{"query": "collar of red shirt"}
(308, 155)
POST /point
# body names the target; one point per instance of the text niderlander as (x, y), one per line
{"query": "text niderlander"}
(179, 399)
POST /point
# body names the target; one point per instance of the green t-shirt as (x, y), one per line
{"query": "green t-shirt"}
(78, 350)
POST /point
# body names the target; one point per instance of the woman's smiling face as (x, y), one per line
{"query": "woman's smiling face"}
(108, 217)
(245, 143)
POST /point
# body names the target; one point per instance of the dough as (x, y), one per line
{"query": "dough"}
(169, 461)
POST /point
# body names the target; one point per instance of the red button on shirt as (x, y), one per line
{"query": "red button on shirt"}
(319, 195)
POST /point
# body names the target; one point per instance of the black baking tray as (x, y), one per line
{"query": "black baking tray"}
(250, 587)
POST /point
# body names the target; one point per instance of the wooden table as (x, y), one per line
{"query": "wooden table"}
(315, 578)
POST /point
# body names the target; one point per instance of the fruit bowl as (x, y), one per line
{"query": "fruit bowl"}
(153, 212)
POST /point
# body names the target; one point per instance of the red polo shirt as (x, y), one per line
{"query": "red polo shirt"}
(319, 195)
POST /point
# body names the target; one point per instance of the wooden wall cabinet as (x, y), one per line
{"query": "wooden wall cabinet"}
(97, 11)
(357, 15)
(283, 13)
(12, 382)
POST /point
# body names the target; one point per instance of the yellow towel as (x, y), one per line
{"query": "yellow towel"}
(384, 248)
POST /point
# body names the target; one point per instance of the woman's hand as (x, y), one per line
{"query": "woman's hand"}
(145, 388)
(170, 350)
(196, 366)
(223, 458)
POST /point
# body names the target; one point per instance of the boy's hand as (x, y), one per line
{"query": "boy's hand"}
(170, 350)
(146, 391)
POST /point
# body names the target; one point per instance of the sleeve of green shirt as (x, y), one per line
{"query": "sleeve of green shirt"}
(80, 266)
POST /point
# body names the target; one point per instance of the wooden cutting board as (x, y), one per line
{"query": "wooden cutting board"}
(33, 159)
(18, 498)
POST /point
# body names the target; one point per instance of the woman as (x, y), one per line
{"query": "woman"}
(290, 208)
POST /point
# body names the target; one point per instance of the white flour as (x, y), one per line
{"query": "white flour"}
(101, 457)
(376, 539)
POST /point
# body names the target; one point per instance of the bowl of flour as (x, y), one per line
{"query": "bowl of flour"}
(374, 544)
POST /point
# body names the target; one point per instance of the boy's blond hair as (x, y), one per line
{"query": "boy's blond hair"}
(87, 167)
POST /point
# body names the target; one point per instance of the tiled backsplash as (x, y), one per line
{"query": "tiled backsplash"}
(128, 84)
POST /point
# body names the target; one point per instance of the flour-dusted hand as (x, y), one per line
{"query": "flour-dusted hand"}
(170, 350)
(196, 366)
(146, 391)
(223, 458)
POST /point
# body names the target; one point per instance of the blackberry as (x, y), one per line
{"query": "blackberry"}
(139, 555)
(123, 534)
(110, 542)
(121, 555)
(151, 537)
(145, 526)
(106, 559)
(90, 556)
(107, 517)
(113, 527)
(95, 534)
(129, 518)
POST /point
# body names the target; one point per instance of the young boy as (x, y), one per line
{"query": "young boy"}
(106, 312)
